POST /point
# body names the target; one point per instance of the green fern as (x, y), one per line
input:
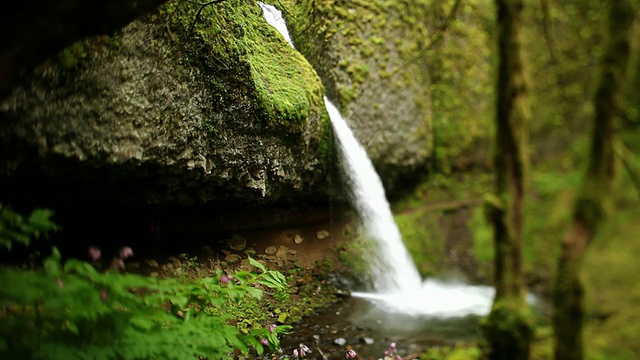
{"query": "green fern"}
(73, 311)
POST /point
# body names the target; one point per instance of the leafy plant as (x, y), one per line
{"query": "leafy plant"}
(16, 228)
(73, 311)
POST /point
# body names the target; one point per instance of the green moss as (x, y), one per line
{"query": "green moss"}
(509, 330)
(345, 25)
(77, 54)
(245, 57)
(423, 238)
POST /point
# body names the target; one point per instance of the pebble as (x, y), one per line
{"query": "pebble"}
(151, 263)
(232, 258)
(298, 239)
(340, 341)
(270, 250)
(236, 243)
(322, 234)
(367, 340)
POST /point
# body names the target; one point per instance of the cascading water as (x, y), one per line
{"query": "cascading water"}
(398, 285)
(392, 268)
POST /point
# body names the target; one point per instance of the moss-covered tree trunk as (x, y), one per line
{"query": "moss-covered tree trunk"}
(508, 329)
(591, 202)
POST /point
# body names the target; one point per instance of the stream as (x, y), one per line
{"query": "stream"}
(369, 330)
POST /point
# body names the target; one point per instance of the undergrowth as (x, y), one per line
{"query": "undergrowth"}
(70, 310)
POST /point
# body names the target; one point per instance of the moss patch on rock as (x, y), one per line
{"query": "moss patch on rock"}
(234, 35)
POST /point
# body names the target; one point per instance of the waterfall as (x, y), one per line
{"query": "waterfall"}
(392, 268)
(398, 286)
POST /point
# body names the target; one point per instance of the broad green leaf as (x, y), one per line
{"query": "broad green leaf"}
(255, 263)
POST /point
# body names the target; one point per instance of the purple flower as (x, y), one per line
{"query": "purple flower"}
(125, 252)
(264, 341)
(94, 253)
(350, 354)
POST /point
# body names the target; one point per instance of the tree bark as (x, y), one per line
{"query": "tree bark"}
(589, 208)
(508, 328)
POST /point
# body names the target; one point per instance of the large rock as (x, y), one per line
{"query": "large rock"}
(176, 108)
(372, 58)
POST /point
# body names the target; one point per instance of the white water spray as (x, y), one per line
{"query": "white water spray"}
(392, 268)
(395, 277)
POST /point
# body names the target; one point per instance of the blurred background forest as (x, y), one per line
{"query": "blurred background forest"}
(563, 45)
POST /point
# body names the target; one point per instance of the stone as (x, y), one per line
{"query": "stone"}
(232, 258)
(151, 263)
(322, 234)
(237, 243)
(367, 340)
(175, 261)
(250, 251)
(340, 341)
(298, 239)
(282, 251)
(131, 114)
(270, 250)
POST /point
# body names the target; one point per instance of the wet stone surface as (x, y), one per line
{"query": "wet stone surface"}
(357, 324)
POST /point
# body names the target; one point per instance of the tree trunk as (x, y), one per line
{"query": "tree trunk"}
(591, 203)
(508, 328)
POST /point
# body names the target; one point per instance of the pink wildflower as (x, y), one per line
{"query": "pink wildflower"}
(94, 253)
(125, 252)
(103, 295)
(295, 353)
(60, 283)
(224, 279)
(350, 354)
(264, 341)
(272, 327)
(304, 350)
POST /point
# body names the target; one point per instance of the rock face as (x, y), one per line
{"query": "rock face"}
(371, 56)
(176, 108)
(191, 105)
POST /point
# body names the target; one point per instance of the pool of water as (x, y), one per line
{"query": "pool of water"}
(369, 329)
(439, 313)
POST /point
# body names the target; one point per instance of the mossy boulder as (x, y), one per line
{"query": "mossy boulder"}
(185, 105)
(372, 60)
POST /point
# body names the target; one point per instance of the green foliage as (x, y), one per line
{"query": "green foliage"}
(423, 238)
(15, 228)
(72, 311)
(482, 236)
(466, 352)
